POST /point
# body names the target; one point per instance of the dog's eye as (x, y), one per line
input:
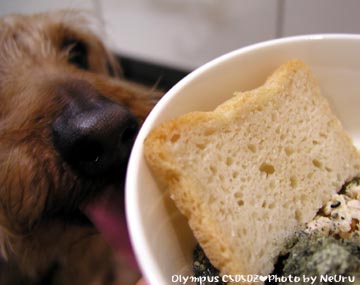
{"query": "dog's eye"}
(78, 53)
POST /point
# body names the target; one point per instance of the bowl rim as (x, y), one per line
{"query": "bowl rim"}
(147, 263)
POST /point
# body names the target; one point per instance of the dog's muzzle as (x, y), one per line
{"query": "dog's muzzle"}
(93, 134)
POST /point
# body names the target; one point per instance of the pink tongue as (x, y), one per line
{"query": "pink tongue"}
(108, 215)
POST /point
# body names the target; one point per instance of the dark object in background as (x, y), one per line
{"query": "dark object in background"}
(160, 76)
(204, 270)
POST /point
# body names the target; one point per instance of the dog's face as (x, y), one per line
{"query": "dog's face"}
(66, 124)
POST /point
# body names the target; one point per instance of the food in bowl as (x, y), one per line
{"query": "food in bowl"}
(328, 247)
(253, 172)
(319, 259)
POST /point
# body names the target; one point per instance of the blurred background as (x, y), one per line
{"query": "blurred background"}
(163, 40)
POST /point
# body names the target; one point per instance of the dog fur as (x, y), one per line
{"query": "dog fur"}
(38, 190)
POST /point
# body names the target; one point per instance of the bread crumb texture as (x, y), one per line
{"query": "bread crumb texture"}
(251, 173)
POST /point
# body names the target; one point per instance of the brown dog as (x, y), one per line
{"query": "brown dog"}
(67, 125)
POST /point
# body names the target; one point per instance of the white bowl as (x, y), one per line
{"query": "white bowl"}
(160, 236)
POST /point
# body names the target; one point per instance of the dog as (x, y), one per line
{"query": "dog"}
(67, 124)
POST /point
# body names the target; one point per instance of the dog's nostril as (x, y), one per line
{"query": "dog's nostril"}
(87, 151)
(95, 140)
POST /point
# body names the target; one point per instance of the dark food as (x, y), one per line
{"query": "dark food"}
(319, 255)
(308, 254)
(354, 182)
(203, 268)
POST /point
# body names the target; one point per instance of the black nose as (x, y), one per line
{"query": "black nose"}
(93, 134)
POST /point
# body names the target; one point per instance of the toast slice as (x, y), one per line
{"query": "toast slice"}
(251, 173)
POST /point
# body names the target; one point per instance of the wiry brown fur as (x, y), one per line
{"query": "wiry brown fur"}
(35, 184)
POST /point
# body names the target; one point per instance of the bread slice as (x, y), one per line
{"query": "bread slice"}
(249, 174)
